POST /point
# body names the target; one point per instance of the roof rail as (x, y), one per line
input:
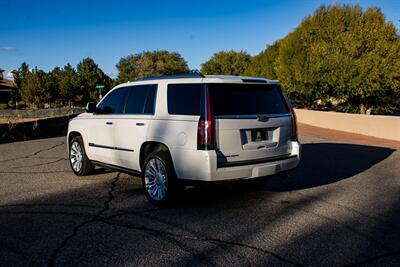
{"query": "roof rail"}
(177, 76)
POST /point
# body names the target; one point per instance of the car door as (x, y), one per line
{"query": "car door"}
(101, 138)
(131, 127)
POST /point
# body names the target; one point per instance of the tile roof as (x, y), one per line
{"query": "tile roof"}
(6, 85)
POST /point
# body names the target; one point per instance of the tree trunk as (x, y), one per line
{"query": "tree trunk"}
(363, 109)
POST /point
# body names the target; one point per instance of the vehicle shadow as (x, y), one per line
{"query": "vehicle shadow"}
(326, 163)
(321, 164)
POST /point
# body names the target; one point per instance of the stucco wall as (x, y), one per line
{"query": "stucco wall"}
(387, 127)
(39, 113)
(40, 128)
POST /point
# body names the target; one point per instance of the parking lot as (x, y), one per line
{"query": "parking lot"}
(340, 207)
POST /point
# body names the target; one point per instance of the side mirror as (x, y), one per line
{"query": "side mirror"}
(292, 102)
(90, 107)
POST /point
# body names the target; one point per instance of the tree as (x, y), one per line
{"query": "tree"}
(151, 63)
(345, 53)
(227, 63)
(37, 87)
(66, 80)
(19, 75)
(90, 75)
(264, 64)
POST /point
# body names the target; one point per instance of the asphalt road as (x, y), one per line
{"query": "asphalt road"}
(340, 207)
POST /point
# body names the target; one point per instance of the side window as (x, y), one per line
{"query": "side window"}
(141, 99)
(113, 103)
(184, 99)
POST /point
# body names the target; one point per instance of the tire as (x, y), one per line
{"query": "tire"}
(159, 180)
(80, 164)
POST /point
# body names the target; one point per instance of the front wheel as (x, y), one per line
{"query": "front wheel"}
(159, 179)
(80, 164)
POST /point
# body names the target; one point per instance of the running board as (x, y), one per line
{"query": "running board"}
(117, 168)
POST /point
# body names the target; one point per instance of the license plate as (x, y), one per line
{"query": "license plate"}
(258, 135)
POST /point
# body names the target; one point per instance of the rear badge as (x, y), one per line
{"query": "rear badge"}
(262, 118)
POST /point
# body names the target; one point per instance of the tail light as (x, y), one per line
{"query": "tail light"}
(205, 136)
(294, 127)
(294, 119)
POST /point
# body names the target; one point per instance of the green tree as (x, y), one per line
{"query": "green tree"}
(150, 63)
(227, 63)
(37, 88)
(19, 75)
(90, 75)
(264, 64)
(342, 52)
(67, 82)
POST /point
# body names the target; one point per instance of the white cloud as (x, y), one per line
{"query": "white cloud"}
(7, 48)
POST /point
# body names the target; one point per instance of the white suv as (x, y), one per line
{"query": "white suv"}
(187, 128)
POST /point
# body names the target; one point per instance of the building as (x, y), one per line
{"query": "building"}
(6, 88)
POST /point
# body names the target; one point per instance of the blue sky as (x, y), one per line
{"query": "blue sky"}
(52, 33)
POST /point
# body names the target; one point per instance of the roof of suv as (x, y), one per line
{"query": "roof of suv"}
(182, 78)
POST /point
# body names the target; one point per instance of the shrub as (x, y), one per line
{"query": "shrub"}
(3, 106)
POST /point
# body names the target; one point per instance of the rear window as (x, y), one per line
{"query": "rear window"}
(246, 99)
(184, 99)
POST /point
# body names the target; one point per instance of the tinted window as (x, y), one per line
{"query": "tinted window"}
(113, 103)
(141, 99)
(151, 100)
(246, 99)
(184, 99)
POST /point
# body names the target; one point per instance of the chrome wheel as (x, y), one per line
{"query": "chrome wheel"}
(155, 178)
(76, 156)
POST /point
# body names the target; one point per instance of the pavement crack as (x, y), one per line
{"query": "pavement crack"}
(95, 218)
(34, 153)
(348, 227)
(44, 213)
(34, 172)
(202, 239)
(29, 206)
(347, 208)
(40, 164)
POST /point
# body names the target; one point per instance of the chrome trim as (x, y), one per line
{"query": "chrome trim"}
(110, 147)
(253, 116)
(254, 161)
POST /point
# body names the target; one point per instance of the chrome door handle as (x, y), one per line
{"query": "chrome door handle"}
(140, 124)
(109, 123)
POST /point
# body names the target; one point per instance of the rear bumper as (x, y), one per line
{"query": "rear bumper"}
(202, 165)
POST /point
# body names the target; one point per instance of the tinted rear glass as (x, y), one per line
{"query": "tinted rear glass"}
(246, 99)
(184, 99)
